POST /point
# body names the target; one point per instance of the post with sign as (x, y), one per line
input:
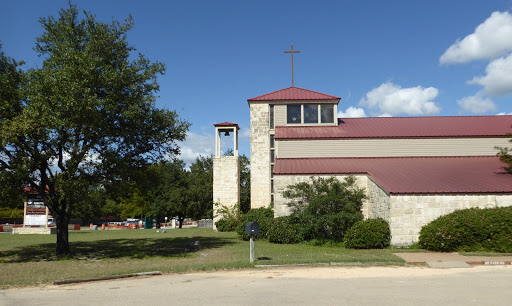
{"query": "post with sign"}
(252, 228)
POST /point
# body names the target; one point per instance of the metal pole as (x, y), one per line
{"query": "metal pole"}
(252, 248)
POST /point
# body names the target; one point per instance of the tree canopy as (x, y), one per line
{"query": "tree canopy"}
(87, 115)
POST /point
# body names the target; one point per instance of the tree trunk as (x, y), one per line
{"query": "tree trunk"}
(180, 219)
(62, 234)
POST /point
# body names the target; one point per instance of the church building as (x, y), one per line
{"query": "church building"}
(413, 169)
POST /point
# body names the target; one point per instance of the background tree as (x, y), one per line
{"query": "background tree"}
(90, 206)
(200, 188)
(505, 156)
(12, 80)
(89, 115)
(169, 198)
(245, 183)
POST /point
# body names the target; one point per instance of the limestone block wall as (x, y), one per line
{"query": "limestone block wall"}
(377, 202)
(226, 183)
(34, 230)
(281, 182)
(408, 213)
(260, 155)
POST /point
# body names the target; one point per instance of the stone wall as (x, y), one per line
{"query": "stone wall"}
(260, 155)
(34, 230)
(408, 213)
(377, 202)
(226, 183)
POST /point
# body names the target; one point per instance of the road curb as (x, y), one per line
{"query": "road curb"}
(75, 281)
(325, 264)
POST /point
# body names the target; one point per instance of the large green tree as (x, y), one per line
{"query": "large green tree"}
(12, 81)
(89, 113)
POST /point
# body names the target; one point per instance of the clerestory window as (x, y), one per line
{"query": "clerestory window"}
(310, 114)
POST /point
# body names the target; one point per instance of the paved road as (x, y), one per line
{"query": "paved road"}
(481, 285)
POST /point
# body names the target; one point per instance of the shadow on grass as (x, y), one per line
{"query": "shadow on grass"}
(175, 247)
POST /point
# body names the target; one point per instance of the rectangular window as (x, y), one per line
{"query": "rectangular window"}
(271, 116)
(293, 114)
(272, 186)
(271, 141)
(327, 112)
(311, 113)
(272, 156)
(271, 170)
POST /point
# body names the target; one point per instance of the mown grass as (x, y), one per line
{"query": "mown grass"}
(27, 260)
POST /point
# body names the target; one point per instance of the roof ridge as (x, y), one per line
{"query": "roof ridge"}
(260, 96)
(390, 157)
(409, 117)
(276, 92)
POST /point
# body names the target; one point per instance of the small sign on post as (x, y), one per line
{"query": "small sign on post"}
(252, 228)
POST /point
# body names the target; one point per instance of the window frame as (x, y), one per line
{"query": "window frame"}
(319, 114)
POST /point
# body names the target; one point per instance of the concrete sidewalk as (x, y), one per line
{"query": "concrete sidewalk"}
(453, 260)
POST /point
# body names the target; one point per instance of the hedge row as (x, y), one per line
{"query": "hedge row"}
(472, 229)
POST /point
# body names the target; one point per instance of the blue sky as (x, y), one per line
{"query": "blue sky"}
(383, 58)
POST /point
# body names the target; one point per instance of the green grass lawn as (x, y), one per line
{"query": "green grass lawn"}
(27, 260)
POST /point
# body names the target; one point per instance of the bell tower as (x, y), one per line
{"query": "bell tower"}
(226, 171)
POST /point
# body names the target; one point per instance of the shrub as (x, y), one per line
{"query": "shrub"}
(223, 226)
(326, 207)
(286, 230)
(368, 234)
(263, 216)
(470, 230)
(230, 218)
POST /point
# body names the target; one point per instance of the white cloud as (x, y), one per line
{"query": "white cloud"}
(392, 100)
(476, 104)
(244, 134)
(503, 114)
(498, 80)
(385, 115)
(195, 145)
(491, 39)
(352, 112)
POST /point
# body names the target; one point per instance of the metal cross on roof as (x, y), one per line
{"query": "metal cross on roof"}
(292, 51)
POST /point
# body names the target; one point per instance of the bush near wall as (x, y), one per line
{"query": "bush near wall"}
(472, 229)
(326, 207)
(264, 217)
(286, 230)
(368, 234)
(230, 218)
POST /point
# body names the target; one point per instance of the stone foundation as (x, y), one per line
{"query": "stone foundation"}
(34, 230)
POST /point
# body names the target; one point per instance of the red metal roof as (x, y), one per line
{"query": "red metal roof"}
(293, 94)
(32, 190)
(403, 127)
(412, 175)
(227, 124)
